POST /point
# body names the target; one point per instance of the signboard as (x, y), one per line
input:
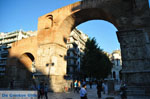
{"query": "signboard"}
(18, 94)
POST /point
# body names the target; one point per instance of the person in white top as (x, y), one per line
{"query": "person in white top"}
(83, 92)
(105, 88)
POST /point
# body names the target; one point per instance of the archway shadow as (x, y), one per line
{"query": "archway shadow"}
(19, 76)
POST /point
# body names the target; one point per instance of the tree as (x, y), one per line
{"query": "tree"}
(95, 63)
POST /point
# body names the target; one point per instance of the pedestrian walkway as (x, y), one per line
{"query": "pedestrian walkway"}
(92, 94)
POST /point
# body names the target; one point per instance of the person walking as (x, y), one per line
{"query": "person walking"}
(38, 88)
(83, 82)
(83, 92)
(46, 90)
(99, 89)
(123, 92)
(105, 88)
(41, 90)
(75, 86)
(79, 86)
(90, 83)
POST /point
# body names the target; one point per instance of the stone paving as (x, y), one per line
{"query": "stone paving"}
(92, 94)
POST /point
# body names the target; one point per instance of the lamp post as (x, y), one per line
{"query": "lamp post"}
(49, 64)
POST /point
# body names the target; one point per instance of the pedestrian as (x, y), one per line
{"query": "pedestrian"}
(105, 88)
(41, 90)
(12, 84)
(90, 83)
(123, 93)
(46, 90)
(75, 86)
(99, 89)
(71, 85)
(33, 87)
(38, 88)
(83, 82)
(83, 92)
(79, 86)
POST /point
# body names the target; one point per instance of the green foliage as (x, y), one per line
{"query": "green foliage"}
(95, 62)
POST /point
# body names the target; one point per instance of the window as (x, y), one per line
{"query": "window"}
(68, 61)
(75, 62)
(118, 62)
(68, 54)
(114, 74)
(68, 70)
(78, 63)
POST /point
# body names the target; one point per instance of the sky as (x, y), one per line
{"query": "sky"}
(24, 14)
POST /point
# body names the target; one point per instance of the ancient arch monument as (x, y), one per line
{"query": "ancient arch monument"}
(130, 17)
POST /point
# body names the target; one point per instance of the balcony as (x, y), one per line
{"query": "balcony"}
(2, 74)
(72, 49)
(2, 69)
(3, 58)
(72, 65)
(11, 35)
(72, 57)
(3, 63)
(4, 52)
(70, 42)
(9, 41)
(5, 46)
(75, 51)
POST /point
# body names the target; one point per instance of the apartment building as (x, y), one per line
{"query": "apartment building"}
(75, 44)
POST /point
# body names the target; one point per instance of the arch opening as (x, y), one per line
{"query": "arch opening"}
(27, 59)
(26, 63)
(98, 29)
(85, 15)
(104, 32)
(23, 78)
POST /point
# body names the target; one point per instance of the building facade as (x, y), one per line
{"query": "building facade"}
(115, 58)
(6, 40)
(75, 44)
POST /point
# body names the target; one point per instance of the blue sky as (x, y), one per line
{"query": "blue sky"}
(23, 14)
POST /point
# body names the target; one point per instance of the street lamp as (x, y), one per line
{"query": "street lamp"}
(49, 64)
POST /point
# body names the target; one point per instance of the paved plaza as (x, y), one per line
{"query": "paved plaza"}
(92, 94)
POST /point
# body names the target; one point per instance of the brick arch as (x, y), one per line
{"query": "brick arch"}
(77, 18)
(59, 23)
(28, 45)
(27, 59)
